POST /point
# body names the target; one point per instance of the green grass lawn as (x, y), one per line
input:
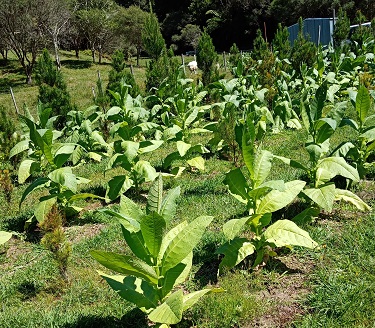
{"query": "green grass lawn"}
(333, 286)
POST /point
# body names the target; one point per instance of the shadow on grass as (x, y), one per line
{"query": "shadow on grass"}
(27, 290)
(76, 63)
(15, 223)
(133, 319)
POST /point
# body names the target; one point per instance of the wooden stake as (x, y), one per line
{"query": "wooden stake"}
(131, 69)
(225, 61)
(14, 101)
(183, 63)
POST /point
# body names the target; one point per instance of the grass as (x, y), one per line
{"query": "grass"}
(330, 287)
(344, 282)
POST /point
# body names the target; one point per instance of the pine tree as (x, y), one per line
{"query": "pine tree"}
(120, 73)
(281, 42)
(53, 92)
(342, 28)
(206, 57)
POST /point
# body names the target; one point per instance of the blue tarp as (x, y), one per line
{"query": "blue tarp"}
(311, 30)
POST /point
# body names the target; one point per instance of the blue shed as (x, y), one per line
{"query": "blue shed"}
(319, 30)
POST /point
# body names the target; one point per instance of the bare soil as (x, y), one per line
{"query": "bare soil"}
(285, 294)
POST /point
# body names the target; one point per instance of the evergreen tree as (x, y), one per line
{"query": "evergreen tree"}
(303, 50)
(153, 41)
(120, 73)
(206, 57)
(53, 92)
(281, 42)
(260, 47)
(342, 28)
(162, 65)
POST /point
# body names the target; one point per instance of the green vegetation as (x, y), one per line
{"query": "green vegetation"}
(182, 191)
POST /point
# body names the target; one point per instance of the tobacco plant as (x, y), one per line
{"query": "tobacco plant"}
(41, 145)
(363, 148)
(62, 186)
(321, 168)
(161, 260)
(262, 197)
(138, 171)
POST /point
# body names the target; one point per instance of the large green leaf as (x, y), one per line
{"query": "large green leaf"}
(247, 147)
(152, 228)
(184, 242)
(64, 177)
(276, 200)
(192, 298)
(130, 209)
(233, 227)
(325, 127)
(368, 134)
(149, 146)
(334, 166)
(169, 312)
(19, 148)
(38, 183)
(155, 196)
(237, 185)
(170, 158)
(134, 290)
(306, 120)
(117, 186)
(4, 236)
(63, 154)
(235, 251)
(317, 104)
(84, 196)
(362, 103)
(125, 264)
(27, 167)
(323, 196)
(145, 171)
(128, 223)
(192, 117)
(182, 147)
(169, 236)
(169, 204)
(291, 162)
(285, 232)
(136, 243)
(197, 162)
(262, 167)
(177, 275)
(306, 215)
(130, 149)
(350, 197)
(43, 208)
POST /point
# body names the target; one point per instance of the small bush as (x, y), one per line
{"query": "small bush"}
(54, 240)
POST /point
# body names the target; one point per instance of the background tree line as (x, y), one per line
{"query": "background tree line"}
(28, 26)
